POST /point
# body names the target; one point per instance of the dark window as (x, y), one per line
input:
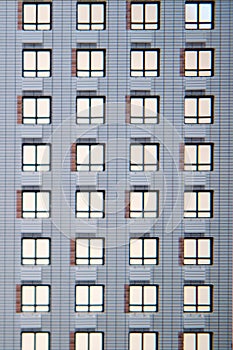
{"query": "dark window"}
(144, 63)
(199, 15)
(37, 16)
(36, 63)
(91, 16)
(198, 298)
(199, 62)
(199, 110)
(145, 15)
(198, 251)
(90, 63)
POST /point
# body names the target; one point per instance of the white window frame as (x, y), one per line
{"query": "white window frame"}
(143, 298)
(144, 251)
(145, 15)
(198, 156)
(94, 13)
(89, 251)
(34, 18)
(37, 63)
(35, 341)
(35, 298)
(144, 109)
(90, 157)
(144, 157)
(199, 109)
(198, 204)
(35, 251)
(90, 204)
(198, 251)
(36, 157)
(89, 298)
(144, 204)
(35, 204)
(142, 65)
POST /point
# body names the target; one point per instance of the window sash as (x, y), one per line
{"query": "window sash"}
(34, 257)
(88, 306)
(196, 337)
(91, 115)
(143, 305)
(36, 118)
(90, 71)
(89, 211)
(36, 72)
(196, 163)
(144, 258)
(144, 23)
(143, 212)
(143, 70)
(143, 164)
(199, 212)
(35, 212)
(143, 340)
(90, 164)
(90, 258)
(36, 165)
(35, 305)
(92, 24)
(37, 24)
(195, 257)
(197, 71)
(37, 339)
(197, 117)
(200, 302)
(199, 23)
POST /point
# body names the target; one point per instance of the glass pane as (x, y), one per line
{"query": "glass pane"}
(97, 153)
(150, 201)
(43, 201)
(97, 62)
(28, 295)
(204, 295)
(136, 60)
(135, 341)
(28, 248)
(204, 107)
(29, 154)
(204, 201)
(29, 107)
(136, 295)
(136, 154)
(150, 295)
(190, 154)
(82, 248)
(189, 248)
(42, 341)
(82, 200)
(81, 342)
(151, 107)
(190, 341)
(204, 154)
(42, 295)
(137, 13)
(82, 295)
(151, 60)
(96, 201)
(82, 154)
(29, 12)
(43, 154)
(97, 107)
(136, 107)
(190, 60)
(43, 107)
(205, 59)
(42, 248)
(136, 201)
(96, 295)
(97, 13)
(83, 60)
(190, 201)
(150, 154)
(149, 341)
(95, 341)
(189, 295)
(203, 341)
(151, 14)
(150, 248)
(204, 248)
(96, 248)
(43, 60)
(190, 107)
(135, 248)
(82, 107)
(29, 60)
(191, 13)
(28, 341)
(43, 13)
(28, 201)
(205, 12)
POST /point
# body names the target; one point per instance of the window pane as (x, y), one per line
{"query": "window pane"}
(29, 107)
(43, 154)
(135, 295)
(43, 201)
(96, 201)
(136, 60)
(95, 341)
(190, 60)
(150, 154)
(29, 60)
(82, 248)
(204, 201)
(204, 247)
(136, 154)
(43, 60)
(97, 154)
(42, 248)
(137, 13)
(150, 201)
(96, 294)
(150, 60)
(136, 107)
(83, 60)
(82, 107)
(190, 341)
(82, 295)
(135, 201)
(42, 341)
(96, 248)
(28, 248)
(149, 341)
(205, 12)
(151, 14)
(204, 295)
(97, 60)
(190, 295)
(135, 248)
(42, 295)
(205, 59)
(150, 248)
(190, 154)
(150, 107)
(203, 341)
(205, 154)
(28, 295)
(43, 107)
(190, 201)
(190, 107)
(82, 154)
(81, 342)
(83, 13)
(97, 107)
(29, 12)
(43, 13)
(29, 154)
(136, 341)
(204, 107)
(28, 201)
(190, 248)
(150, 295)
(191, 12)
(27, 341)
(82, 199)
(97, 13)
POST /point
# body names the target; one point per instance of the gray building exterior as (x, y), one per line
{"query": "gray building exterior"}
(169, 223)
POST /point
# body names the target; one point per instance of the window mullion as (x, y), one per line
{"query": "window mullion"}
(198, 101)
(197, 157)
(144, 16)
(198, 68)
(35, 251)
(143, 252)
(36, 16)
(90, 62)
(198, 16)
(89, 252)
(89, 205)
(35, 214)
(196, 298)
(196, 204)
(36, 63)
(142, 301)
(90, 16)
(89, 157)
(89, 298)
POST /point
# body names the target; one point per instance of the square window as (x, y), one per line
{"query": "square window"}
(144, 204)
(144, 251)
(199, 15)
(35, 251)
(89, 251)
(199, 62)
(91, 16)
(37, 16)
(199, 109)
(144, 157)
(144, 63)
(143, 341)
(145, 16)
(90, 157)
(198, 298)
(90, 204)
(35, 298)
(89, 341)
(143, 298)
(198, 341)
(198, 157)
(36, 63)
(35, 204)
(35, 340)
(90, 110)
(89, 298)
(36, 157)
(36, 110)
(198, 204)
(90, 63)
(144, 110)
(198, 251)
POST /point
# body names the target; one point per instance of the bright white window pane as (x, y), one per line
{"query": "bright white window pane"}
(136, 201)
(149, 295)
(97, 153)
(190, 201)
(190, 154)
(137, 13)
(190, 60)
(28, 248)
(42, 295)
(83, 154)
(42, 341)
(136, 60)
(42, 201)
(191, 13)
(29, 107)
(204, 107)
(205, 12)
(204, 295)
(151, 13)
(203, 341)
(96, 248)
(204, 248)
(151, 60)
(135, 248)
(136, 341)
(190, 342)
(82, 295)
(150, 154)
(29, 60)
(150, 201)
(190, 107)
(96, 201)
(136, 154)
(205, 154)
(97, 107)
(204, 201)
(190, 248)
(149, 341)
(43, 13)
(150, 248)
(205, 59)
(135, 295)
(29, 13)
(82, 248)
(43, 107)
(150, 107)
(97, 13)
(43, 60)
(28, 295)
(96, 60)
(42, 248)
(95, 341)
(136, 107)
(83, 107)
(83, 60)
(28, 201)
(96, 294)
(43, 154)
(83, 13)
(27, 341)
(189, 295)
(81, 341)
(82, 199)
(29, 154)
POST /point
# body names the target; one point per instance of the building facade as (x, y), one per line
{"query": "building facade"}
(116, 175)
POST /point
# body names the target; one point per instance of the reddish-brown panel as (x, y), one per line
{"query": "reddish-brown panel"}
(181, 156)
(20, 15)
(126, 298)
(180, 341)
(18, 298)
(182, 62)
(19, 109)
(72, 341)
(19, 204)
(128, 14)
(127, 109)
(73, 166)
(181, 250)
(72, 252)
(127, 204)
(74, 63)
